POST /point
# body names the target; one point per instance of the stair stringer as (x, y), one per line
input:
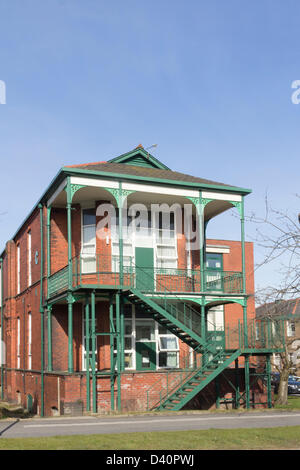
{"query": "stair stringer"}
(152, 304)
(201, 386)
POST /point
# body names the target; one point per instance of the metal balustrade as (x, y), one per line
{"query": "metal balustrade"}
(104, 271)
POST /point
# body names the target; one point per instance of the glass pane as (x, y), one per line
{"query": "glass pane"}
(128, 343)
(168, 359)
(168, 342)
(89, 235)
(128, 361)
(214, 261)
(145, 331)
(128, 327)
(88, 265)
(89, 217)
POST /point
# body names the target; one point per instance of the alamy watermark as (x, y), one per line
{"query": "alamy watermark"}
(2, 92)
(167, 221)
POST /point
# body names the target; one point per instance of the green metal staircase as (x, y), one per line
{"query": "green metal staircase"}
(176, 398)
(179, 318)
(183, 321)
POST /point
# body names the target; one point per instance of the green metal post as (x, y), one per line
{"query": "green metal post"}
(247, 381)
(87, 353)
(122, 327)
(269, 390)
(237, 384)
(217, 384)
(245, 324)
(69, 224)
(49, 328)
(94, 383)
(120, 204)
(118, 348)
(243, 244)
(112, 362)
(70, 333)
(201, 240)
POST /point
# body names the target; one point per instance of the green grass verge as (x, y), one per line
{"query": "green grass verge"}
(211, 439)
(293, 404)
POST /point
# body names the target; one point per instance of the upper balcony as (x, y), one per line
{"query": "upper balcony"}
(106, 272)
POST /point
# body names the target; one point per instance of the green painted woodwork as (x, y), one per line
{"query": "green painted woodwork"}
(139, 157)
(70, 333)
(94, 345)
(87, 354)
(144, 270)
(42, 311)
(145, 356)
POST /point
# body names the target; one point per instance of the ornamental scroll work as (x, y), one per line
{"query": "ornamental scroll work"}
(119, 194)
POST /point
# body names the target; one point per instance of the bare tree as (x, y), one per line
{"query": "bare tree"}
(278, 233)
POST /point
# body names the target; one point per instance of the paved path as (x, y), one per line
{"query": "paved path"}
(37, 427)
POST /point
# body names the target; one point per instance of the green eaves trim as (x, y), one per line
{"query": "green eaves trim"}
(139, 151)
(145, 179)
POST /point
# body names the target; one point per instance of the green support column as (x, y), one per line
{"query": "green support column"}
(203, 320)
(118, 325)
(201, 241)
(94, 346)
(237, 384)
(87, 355)
(112, 347)
(247, 381)
(245, 324)
(269, 389)
(243, 244)
(120, 206)
(69, 225)
(122, 338)
(49, 328)
(70, 334)
(217, 385)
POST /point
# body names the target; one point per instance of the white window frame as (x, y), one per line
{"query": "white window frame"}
(18, 268)
(29, 257)
(290, 328)
(88, 256)
(18, 343)
(29, 341)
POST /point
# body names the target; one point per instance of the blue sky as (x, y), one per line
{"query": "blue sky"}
(209, 81)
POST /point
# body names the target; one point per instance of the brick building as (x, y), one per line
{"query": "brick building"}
(112, 298)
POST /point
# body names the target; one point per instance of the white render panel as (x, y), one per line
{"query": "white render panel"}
(96, 183)
(221, 196)
(144, 188)
(217, 249)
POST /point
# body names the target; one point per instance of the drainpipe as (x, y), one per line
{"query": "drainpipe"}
(41, 309)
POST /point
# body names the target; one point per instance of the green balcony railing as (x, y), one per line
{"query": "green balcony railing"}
(104, 270)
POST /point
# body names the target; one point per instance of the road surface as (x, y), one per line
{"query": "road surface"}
(38, 427)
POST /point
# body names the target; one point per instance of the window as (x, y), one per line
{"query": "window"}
(29, 341)
(168, 348)
(88, 251)
(166, 241)
(290, 328)
(18, 269)
(29, 257)
(214, 266)
(18, 343)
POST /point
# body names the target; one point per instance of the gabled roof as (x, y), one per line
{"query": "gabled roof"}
(280, 308)
(139, 157)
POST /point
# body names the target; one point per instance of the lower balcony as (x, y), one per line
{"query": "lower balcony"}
(107, 272)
